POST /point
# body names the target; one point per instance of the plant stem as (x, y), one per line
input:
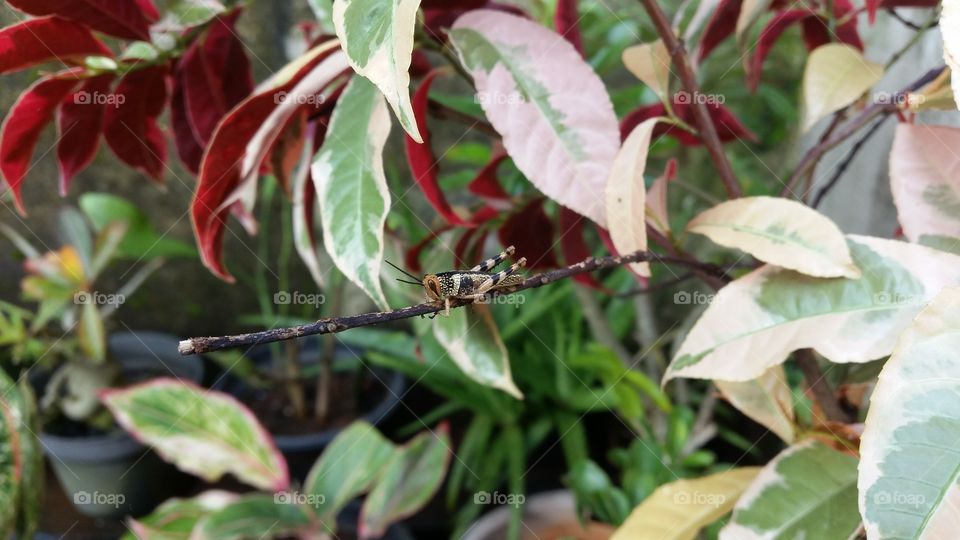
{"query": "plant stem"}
(819, 386)
(707, 129)
(199, 345)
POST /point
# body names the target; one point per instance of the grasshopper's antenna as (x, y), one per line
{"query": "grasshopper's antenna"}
(416, 280)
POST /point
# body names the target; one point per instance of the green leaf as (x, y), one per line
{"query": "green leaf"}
(909, 465)
(808, 491)
(260, 517)
(471, 338)
(90, 332)
(410, 479)
(678, 510)
(352, 188)
(206, 433)
(347, 468)
(377, 36)
(175, 519)
(597, 494)
(142, 241)
(846, 320)
(195, 12)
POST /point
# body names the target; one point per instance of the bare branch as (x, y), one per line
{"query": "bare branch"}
(333, 325)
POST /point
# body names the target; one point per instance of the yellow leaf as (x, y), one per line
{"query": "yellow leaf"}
(678, 510)
(650, 62)
(835, 77)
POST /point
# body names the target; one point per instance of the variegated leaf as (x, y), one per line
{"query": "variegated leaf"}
(950, 31)
(347, 468)
(21, 460)
(909, 466)
(377, 36)
(846, 320)
(678, 510)
(808, 491)
(262, 517)
(203, 432)
(352, 187)
(552, 110)
(626, 194)
(409, 480)
(781, 232)
(767, 400)
(650, 62)
(925, 181)
(176, 519)
(471, 338)
(836, 75)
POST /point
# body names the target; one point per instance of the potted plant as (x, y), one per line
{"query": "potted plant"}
(64, 348)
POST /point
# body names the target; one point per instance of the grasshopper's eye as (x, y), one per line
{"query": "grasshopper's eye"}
(432, 284)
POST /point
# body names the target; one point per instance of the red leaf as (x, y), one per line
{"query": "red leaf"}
(423, 164)
(50, 38)
(188, 147)
(566, 21)
(216, 76)
(847, 32)
(636, 117)
(419, 64)
(486, 184)
(531, 231)
(220, 173)
(412, 256)
(80, 122)
(120, 18)
(574, 247)
(721, 24)
(468, 251)
(872, 6)
(130, 127)
(288, 149)
(729, 128)
(21, 129)
(769, 35)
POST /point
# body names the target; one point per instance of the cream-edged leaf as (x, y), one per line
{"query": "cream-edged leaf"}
(836, 75)
(471, 338)
(200, 431)
(767, 400)
(950, 31)
(626, 194)
(650, 62)
(781, 232)
(846, 320)
(658, 215)
(377, 36)
(678, 510)
(750, 11)
(909, 465)
(352, 187)
(925, 181)
(553, 111)
(808, 491)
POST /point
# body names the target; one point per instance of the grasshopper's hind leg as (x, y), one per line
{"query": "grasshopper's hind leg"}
(497, 278)
(490, 264)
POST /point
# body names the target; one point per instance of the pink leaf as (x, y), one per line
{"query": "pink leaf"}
(130, 127)
(80, 123)
(41, 40)
(423, 164)
(33, 110)
(120, 18)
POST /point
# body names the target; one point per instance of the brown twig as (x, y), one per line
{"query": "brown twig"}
(819, 386)
(339, 324)
(814, 154)
(842, 168)
(705, 125)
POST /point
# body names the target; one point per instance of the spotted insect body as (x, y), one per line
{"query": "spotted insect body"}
(474, 283)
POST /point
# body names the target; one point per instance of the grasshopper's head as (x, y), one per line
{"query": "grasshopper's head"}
(431, 283)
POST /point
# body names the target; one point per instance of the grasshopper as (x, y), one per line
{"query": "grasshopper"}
(473, 284)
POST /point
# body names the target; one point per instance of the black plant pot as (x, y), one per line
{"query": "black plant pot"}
(301, 450)
(112, 475)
